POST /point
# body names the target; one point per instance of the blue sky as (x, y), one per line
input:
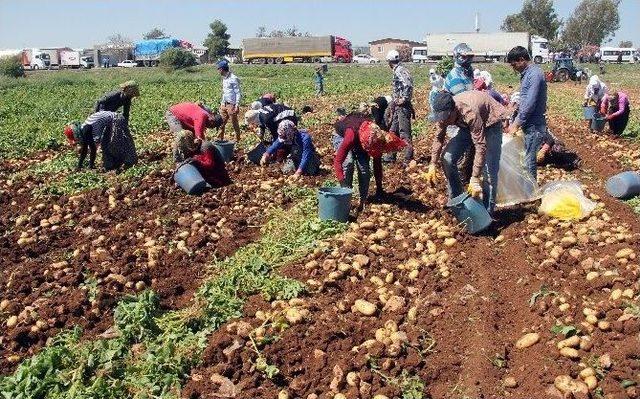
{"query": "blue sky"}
(41, 23)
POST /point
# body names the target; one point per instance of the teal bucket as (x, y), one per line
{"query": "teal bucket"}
(597, 124)
(226, 149)
(334, 203)
(589, 112)
(470, 212)
(624, 185)
(189, 179)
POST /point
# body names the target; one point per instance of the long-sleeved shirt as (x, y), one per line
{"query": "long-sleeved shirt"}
(192, 117)
(271, 115)
(231, 89)
(533, 97)
(112, 101)
(478, 111)
(99, 122)
(590, 93)
(402, 83)
(458, 80)
(319, 78)
(351, 142)
(302, 139)
(623, 105)
(213, 170)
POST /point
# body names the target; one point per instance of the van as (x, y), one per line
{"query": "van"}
(419, 54)
(611, 54)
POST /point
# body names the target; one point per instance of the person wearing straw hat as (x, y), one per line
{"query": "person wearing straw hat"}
(116, 99)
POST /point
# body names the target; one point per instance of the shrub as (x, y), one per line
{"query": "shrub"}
(11, 66)
(444, 66)
(177, 58)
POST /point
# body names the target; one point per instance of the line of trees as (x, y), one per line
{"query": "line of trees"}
(592, 22)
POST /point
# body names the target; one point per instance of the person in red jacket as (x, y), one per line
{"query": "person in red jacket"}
(203, 155)
(192, 116)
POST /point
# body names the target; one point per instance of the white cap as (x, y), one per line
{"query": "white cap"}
(432, 71)
(393, 55)
(486, 76)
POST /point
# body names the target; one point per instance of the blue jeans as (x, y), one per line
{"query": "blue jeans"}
(456, 148)
(361, 159)
(533, 138)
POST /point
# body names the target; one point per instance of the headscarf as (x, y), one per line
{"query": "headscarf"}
(364, 108)
(286, 132)
(72, 132)
(476, 73)
(256, 105)
(437, 82)
(252, 117)
(486, 76)
(594, 81)
(130, 88)
(184, 145)
(270, 97)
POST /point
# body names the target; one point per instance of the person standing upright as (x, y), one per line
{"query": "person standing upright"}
(231, 95)
(533, 105)
(319, 79)
(402, 110)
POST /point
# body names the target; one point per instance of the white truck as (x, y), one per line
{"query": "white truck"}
(73, 59)
(419, 54)
(33, 58)
(487, 46)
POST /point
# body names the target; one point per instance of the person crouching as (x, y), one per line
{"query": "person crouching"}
(302, 155)
(187, 148)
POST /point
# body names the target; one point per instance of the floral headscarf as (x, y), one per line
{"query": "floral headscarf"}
(185, 145)
(286, 132)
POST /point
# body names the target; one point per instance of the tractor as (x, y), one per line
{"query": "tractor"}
(563, 70)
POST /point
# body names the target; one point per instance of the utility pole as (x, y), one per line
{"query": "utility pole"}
(477, 22)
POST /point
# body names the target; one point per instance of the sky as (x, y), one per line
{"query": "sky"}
(83, 23)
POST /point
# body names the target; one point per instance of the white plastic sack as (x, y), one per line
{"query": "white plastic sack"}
(565, 200)
(515, 183)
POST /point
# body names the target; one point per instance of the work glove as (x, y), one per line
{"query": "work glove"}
(431, 177)
(264, 160)
(475, 189)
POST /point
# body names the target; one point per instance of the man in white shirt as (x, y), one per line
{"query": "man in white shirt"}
(230, 104)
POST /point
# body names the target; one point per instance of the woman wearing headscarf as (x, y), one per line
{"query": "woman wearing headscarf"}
(616, 110)
(484, 82)
(302, 155)
(203, 155)
(594, 92)
(269, 117)
(113, 100)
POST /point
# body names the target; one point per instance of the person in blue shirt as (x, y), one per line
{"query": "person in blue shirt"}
(302, 158)
(319, 79)
(460, 78)
(533, 105)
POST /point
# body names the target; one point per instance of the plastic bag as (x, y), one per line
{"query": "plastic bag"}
(564, 200)
(515, 183)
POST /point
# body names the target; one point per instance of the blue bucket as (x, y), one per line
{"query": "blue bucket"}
(597, 124)
(624, 185)
(589, 112)
(226, 149)
(470, 212)
(256, 154)
(189, 179)
(334, 203)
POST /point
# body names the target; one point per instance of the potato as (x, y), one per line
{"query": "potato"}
(4, 304)
(364, 307)
(391, 326)
(352, 378)
(339, 396)
(380, 396)
(293, 316)
(624, 253)
(450, 242)
(510, 382)
(527, 340)
(588, 372)
(570, 342)
(591, 382)
(12, 321)
(534, 239)
(566, 384)
(283, 394)
(571, 353)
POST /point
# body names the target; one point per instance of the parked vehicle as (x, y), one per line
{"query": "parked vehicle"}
(364, 59)
(563, 70)
(69, 59)
(148, 52)
(33, 58)
(128, 64)
(87, 62)
(279, 50)
(419, 54)
(487, 46)
(611, 54)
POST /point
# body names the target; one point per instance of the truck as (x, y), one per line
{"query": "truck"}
(33, 58)
(147, 52)
(74, 59)
(487, 46)
(280, 50)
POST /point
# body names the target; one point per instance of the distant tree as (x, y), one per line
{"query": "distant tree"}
(592, 22)
(155, 33)
(11, 66)
(537, 17)
(292, 31)
(625, 43)
(177, 58)
(119, 41)
(217, 40)
(261, 31)
(405, 52)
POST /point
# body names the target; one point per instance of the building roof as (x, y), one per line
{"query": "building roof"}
(392, 40)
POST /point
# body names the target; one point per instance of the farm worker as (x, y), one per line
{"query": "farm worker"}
(554, 152)
(266, 99)
(192, 116)
(302, 158)
(401, 107)
(595, 91)
(460, 78)
(481, 118)
(109, 130)
(231, 96)
(113, 100)
(319, 79)
(485, 83)
(616, 109)
(268, 117)
(533, 105)
(381, 112)
(203, 155)
(437, 84)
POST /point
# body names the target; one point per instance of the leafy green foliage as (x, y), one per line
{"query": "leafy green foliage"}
(134, 316)
(444, 66)
(567, 331)
(592, 22)
(11, 67)
(177, 58)
(541, 293)
(217, 40)
(537, 17)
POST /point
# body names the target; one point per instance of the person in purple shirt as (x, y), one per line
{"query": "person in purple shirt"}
(533, 105)
(302, 158)
(616, 108)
